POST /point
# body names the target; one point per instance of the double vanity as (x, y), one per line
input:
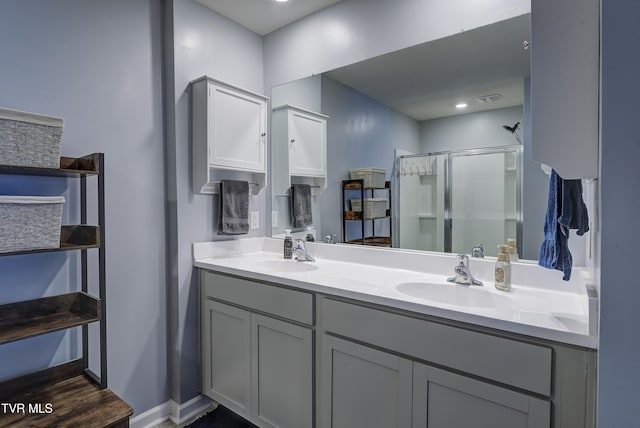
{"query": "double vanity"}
(369, 337)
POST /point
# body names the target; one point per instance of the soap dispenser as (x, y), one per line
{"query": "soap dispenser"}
(288, 244)
(310, 237)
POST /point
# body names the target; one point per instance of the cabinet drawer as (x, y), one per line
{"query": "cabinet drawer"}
(511, 362)
(281, 302)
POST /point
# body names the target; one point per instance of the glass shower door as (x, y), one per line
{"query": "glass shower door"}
(482, 200)
(421, 202)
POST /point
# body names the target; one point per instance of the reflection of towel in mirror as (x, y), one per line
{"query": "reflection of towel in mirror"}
(300, 202)
(233, 213)
(565, 210)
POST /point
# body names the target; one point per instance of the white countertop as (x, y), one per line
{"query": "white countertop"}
(540, 304)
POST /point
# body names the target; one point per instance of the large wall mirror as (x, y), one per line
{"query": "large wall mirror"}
(455, 176)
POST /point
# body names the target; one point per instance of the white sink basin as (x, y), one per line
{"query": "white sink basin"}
(284, 266)
(453, 294)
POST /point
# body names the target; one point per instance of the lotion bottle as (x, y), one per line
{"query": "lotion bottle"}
(503, 273)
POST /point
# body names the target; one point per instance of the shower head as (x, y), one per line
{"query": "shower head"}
(511, 129)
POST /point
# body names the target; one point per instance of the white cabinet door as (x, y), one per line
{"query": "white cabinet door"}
(237, 129)
(565, 85)
(363, 387)
(446, 400)
(226, 362)
(282, 367)
(307, 144)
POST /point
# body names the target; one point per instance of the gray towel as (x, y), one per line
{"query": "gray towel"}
(301, 205)
(233, 215)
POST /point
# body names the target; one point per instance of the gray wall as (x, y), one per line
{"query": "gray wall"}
(361, 133)
(469, 131)
(203, 42)
(618, 365)
(304, 93)
(96, 63)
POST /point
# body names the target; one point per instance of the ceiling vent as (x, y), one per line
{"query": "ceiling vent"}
(489, 98)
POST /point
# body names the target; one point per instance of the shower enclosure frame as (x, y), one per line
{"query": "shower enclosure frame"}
(516, 149)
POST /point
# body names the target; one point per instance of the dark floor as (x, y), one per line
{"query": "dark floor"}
(220, 418)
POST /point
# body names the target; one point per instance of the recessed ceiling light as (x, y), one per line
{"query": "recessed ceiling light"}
(281, 1)
(461, 105)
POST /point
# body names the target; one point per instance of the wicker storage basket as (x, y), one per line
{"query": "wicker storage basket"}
(373, 177)
(373, 207)
(28, 139)
(30, 222)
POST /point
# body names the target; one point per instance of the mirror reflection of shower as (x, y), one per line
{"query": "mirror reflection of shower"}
(452, 201)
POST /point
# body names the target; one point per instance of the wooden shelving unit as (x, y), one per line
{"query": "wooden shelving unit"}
(348, 215)
(77, 396)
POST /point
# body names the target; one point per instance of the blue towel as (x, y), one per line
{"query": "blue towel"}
(565, 210)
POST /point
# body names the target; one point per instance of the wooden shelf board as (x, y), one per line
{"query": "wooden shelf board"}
(69, 167)
(73, 237)
(31, 318)
(377, 241)
(74, 402)
(357, 215)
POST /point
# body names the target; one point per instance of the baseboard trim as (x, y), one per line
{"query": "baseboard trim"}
(181, 413)
(176, 413)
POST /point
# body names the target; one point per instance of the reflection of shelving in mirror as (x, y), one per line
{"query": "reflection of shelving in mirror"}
(360, 205)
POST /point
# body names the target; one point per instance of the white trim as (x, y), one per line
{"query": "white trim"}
(177, 413)
(151, 417)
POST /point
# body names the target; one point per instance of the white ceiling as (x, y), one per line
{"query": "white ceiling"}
(426, 81)
(265, 16)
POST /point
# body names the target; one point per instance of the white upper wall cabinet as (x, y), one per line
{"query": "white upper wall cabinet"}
(565, 59)
(229, 135)
(299, 149)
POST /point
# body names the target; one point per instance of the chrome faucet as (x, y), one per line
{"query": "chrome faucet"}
(477, 251)
(463, 274)
(330, 239)
(300, 250)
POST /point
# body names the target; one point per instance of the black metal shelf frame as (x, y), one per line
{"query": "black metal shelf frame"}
(102, 276)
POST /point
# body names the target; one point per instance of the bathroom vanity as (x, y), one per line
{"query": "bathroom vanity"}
(378, 338)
